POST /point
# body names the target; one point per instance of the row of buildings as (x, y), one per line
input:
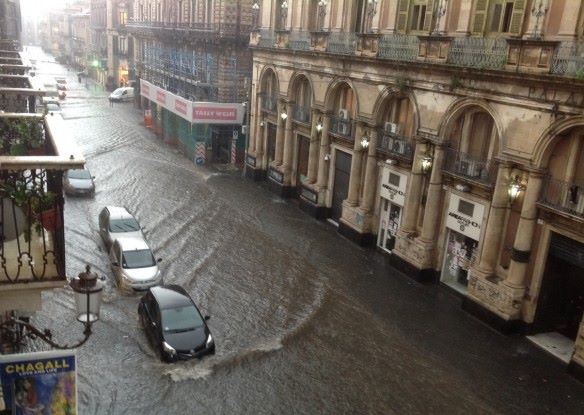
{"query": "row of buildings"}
(448, 134)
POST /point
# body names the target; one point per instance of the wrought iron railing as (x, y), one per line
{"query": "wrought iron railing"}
(474, 168)
(564, 196)
(399, 47)
(478, 52)
(269, 103)
(569, 60)
(301, 114)
(220, 28)
(342, 127)
(342, 43)
(395, 144)
(299, 40)
(267, 39)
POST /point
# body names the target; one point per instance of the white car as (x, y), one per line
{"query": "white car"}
(133, 264)
(116, 222)
(125, 93)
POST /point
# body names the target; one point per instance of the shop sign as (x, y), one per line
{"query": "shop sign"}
(393, 186)
(465, 216)
(275, 175)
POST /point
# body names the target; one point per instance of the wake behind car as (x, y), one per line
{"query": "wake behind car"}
(116, 222)
(174, 325)
(78, 182)
(133, 264)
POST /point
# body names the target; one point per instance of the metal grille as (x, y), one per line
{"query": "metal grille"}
(399, 47)
(299, 40)
(564, 196)
(465, 165)
(395, 144)
(569, 60)
(267, 39)
(342, 127)
(343, 43)
(301, 114)
(478, 52)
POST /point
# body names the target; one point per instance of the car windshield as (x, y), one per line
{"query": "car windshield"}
(124, 225)
(179, 319)
(79, 174)
(141, 258)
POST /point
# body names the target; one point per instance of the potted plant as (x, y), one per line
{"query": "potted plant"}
(21, 136)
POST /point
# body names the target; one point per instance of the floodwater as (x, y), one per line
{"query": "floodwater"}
(305, 322)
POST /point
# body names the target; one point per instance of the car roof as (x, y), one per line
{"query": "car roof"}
(171, 295)
(132, 244)
(118, 212)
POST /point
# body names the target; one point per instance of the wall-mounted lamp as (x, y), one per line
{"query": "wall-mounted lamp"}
(515, 189)
(364, 143)
(319, 127)
(261, 124)
(462, 188)
(327, 157)
(391, 162)
(426, 164)
(284, 115)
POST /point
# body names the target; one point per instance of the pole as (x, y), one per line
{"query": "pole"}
(248, 132)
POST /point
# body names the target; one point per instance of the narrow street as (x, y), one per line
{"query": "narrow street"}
(305, 322)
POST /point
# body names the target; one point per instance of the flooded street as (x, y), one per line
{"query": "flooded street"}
(305, 322)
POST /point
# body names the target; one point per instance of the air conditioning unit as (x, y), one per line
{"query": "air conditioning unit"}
(470, 169)
(344, 114)
(390, 128)
(398, 146)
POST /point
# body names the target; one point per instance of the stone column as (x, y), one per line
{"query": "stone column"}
(525, 231)
(412, 201)
(495, 224)
(280, 135)
(323, 165)
(288, 157)
(433, 209)
(313, 149)
(255, 134)
(356, 163)
(370, 185)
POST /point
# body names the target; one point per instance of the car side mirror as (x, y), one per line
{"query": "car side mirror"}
(159, 260)
(93, 177)
(207, 318)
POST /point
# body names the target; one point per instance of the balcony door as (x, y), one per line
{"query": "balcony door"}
(341, 183)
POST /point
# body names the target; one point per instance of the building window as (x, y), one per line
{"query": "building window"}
(418, 17)
(123, 16)
(501, 16)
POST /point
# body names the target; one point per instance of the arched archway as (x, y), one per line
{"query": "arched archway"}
(341, 101)
(269, 90)
(301, 93)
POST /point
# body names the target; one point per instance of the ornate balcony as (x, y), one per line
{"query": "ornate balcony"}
(342, 43)
(342, 127)
(465, 166)
(34, 153)
(402, 48)
(569, 60)
(368, 44)
(299, 40)
(13, 69)
(478, 52)
(221, 29)
(17, 94)
(566, 197)
(395, 145)
(301, 114)
(267, 39)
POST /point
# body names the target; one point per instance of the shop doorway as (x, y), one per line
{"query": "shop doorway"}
(390, 220)
(460, 254)
(271, 144)
(221, 139)
(302, 165)
(561, 298)
(341, 183)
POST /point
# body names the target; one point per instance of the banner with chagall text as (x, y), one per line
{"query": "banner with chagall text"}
(39, 383)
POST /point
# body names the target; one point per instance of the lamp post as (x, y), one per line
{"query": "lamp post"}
(321, 13)
(88, 290)
(538, 11)
(371, 12)
(255, 11)
(283, 14)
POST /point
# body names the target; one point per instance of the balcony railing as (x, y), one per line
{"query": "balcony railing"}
(466, 166)
(269, 103)
(478, 52)
(342, 127)
(10, 69)
(267, 39)
(301, 114)
(221, 28)
(342, 43)
(403, 48)
(32, 160)
(17, 94)
(299, 40)
(567, 197)
(569, 60)
(395, 145)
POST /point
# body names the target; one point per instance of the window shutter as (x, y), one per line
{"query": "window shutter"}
(428, 17)
(516, 25)
(480, 17)
(402, 15)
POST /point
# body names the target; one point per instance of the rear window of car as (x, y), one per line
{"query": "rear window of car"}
(124, 225)
(79, 174)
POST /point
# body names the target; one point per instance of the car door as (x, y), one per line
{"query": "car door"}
(149, 319)
(115, 260)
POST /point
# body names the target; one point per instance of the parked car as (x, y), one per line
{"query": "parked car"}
(116, 222)
(53, 108)
(174, 325)
(78, 182)
(133, 264)
(125, 93)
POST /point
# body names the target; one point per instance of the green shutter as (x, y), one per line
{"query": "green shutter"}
(402, 15)
(480, 17)
(428, 17)
(516, 25)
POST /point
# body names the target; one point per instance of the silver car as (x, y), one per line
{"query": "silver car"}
(78, 182)
(116, 222)
(133, 264)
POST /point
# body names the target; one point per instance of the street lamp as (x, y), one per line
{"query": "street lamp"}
(321, 13)
(365, 143)
(88, 291)
(283, 115)
(426, 164)
(515, 189)
(255, 11)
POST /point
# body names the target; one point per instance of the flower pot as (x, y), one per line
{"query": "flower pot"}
(50, 219)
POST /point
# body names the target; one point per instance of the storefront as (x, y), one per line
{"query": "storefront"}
(392, 193)
(463, 230)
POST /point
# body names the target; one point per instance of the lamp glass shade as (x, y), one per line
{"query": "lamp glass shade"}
(514, 190)
(284, 115)
(87, 299)
(319, 127)
(364, 143)
(426, 163)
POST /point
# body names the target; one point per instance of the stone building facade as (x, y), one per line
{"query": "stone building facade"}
(449, 134)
